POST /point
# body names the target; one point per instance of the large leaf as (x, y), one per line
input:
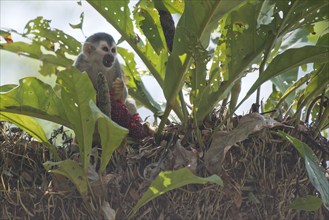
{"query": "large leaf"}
(75, 108)
(136, 86)
(78, 96)
(111, 135)
(172, 6)
(283, 82)
(148, 20)
(117, 13)
(73, 171)
(288, 60)
(240, 45)
(295, 86)
(169, 180)
(291, 15)
(34, 98)
(40, 31)
(77, 92)
(197, 22)
(32, 127)
(313, 167)
(30, 124)
(55, 42)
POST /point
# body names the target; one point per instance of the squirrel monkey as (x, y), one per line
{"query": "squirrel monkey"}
(99, 55)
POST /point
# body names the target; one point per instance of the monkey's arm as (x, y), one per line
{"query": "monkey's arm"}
(119, 90)
(84, 65)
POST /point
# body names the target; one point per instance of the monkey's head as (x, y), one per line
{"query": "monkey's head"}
(100, 48)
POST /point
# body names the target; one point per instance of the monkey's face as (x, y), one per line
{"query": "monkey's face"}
(102, 54)
(108, 52)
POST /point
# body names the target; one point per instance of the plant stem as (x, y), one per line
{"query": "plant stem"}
(267, 53)
(198, 133)
(163, 121)
(184, 109)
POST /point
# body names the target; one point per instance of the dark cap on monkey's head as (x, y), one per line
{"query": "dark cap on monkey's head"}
(100, 36)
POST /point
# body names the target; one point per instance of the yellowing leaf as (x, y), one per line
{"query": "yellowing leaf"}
(308, 203)
(169, 180)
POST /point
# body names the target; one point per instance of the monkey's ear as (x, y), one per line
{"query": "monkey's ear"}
(88, 48)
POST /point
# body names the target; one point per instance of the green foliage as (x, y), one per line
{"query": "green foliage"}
(169, 180)
(119, 15)
(314, 170)
(148, 21)
(32, 127)
(193, 29)
(79, 25)
(33, 94)
(72, 105)
(282, 82)
(73, 171)
(268, 39)
(291, 59)
(136, 87)
(48, 45)
(244, 40)
(216, 44)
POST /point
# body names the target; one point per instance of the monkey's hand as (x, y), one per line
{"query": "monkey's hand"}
(118, 90)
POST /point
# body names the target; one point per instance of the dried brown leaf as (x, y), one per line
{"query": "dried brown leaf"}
(184, 158)
(223, 141)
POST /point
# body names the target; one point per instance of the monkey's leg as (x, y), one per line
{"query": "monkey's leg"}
(131, 106)
(103, 95)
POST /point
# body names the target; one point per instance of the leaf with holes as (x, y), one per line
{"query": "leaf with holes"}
(135, 84)
(77, 92)
(196, 24)
(148, 20)
(79, 25)
(55, 42)
(40, 32)
(117, 13)
(34, 98)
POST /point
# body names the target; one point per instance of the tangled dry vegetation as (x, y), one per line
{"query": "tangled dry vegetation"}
(262, 175)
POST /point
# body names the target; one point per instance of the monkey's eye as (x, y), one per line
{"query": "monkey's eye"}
(105, 49)
(113, 50)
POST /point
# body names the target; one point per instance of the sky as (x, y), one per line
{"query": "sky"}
(62, 13)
